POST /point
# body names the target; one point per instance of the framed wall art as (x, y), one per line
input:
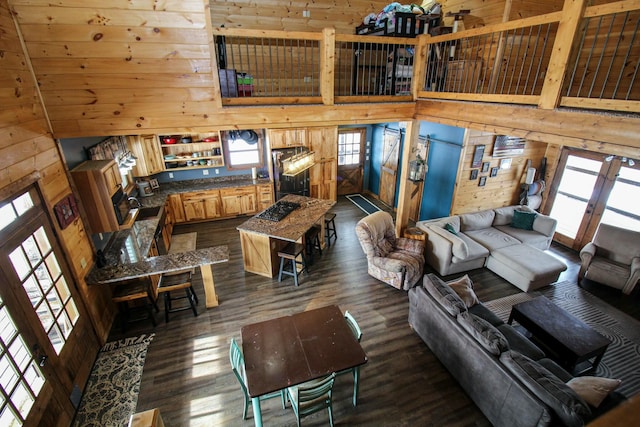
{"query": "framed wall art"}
(474, 174)
(482, 182)
(494, 172)
(505, 163)
(478, 153)
(506, 146)
(485, 167)
(66, 211)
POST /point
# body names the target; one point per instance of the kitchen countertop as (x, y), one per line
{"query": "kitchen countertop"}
(127, 251)
(294, 225)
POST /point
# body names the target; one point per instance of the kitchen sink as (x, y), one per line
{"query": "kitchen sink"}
(148, 212)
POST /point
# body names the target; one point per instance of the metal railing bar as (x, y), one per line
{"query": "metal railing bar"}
(613, 56)
(585, 27)
(544, 49)
(598, 67)
(524, 59)
(586, 65)
(533, 57)
(635, 72)
(493, 82)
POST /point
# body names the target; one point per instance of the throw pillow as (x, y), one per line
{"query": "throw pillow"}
(463, 286)
(450, 229)
(593, 389)
(523, 220)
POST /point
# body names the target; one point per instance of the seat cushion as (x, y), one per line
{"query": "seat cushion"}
(483, 312)
(530, 237)
(602, 270)
(520, 343)
(492, 238)
(531, 263)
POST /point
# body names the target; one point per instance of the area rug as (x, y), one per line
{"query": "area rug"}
(111, 394)
(622, 358)
(183, 242)
(365, 205)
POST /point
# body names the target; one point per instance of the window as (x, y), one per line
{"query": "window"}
(349, 147)
(242, 149)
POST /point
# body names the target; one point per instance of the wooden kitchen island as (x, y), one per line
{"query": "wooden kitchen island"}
(261, 239)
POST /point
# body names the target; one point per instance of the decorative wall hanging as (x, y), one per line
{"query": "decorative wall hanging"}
(66, 211)
(494, 172)
(505, 163)
(485, 167)
(508, 146)
(474, 174)
(482, 182)
(478, 153)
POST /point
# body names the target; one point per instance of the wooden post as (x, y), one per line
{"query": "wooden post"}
(419, 65)
(211, 298)
(404, 196)
(572, 13)
(327, 65)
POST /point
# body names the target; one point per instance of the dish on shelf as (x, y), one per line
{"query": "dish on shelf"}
(169, 140)
(169, 156)
(209, 139)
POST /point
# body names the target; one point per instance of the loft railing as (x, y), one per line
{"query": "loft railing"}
(542, 60)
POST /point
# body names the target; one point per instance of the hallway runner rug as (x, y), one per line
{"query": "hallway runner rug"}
(622, 358)
(360, 201)
(111, 394)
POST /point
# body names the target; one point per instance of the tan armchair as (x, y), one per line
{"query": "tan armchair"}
(396, 261)
(612, 258)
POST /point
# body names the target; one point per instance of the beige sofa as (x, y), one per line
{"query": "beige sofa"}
(490, 239)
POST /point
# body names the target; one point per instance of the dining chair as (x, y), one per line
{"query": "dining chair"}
(237, 365)
(357, 333)
(312, 396)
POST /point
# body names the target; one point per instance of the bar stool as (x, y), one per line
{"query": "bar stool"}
(330, 227)
(312, 242)
(290, 253)
(174, 282)
(139, 291)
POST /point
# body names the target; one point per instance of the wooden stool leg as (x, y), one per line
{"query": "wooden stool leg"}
(192, 303)
(167, 306)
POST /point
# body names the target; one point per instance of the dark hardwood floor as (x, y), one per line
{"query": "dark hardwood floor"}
(187, 372)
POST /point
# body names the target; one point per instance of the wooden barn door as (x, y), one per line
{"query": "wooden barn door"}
(350, 160)
(389, 169)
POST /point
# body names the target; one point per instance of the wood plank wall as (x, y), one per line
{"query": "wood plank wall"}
(27, 147)
(501, 190)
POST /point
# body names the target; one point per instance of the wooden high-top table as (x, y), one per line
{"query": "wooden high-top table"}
(569, 340)
(291, 350)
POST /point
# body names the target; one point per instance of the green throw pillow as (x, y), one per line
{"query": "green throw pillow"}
(523, 220)
(450, 228)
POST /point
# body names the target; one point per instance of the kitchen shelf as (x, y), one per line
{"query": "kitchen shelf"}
(206, 150)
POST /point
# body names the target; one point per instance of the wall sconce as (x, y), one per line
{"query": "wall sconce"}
(417, 169)
(298, 163)
(626, 160)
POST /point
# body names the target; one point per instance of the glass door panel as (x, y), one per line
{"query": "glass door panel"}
(573, 198)
(622, 205)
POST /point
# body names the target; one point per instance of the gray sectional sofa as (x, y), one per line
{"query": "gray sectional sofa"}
(494, 239)
(505, 374)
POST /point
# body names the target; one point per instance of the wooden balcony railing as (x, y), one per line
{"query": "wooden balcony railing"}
(548, 60)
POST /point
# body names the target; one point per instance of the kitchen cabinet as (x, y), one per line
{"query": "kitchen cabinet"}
(264, 194)
(149, 156)
(285, 138)
(201, 205)
(238, 201)
(97, 181)
(177, 208)
(204, 151)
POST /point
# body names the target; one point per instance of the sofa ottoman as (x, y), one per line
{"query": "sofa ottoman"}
(524, 266)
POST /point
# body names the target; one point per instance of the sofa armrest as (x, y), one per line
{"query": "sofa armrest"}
(411, 245)
(586, 255)
(634, 276)
(545, 225)
(459, 247)
(388, 264)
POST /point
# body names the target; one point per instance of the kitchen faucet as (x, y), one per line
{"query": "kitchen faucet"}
(134, 202)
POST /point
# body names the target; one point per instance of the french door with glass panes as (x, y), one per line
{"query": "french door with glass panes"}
(44, 329)
(591, 188)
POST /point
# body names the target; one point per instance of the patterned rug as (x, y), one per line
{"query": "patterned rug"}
(622, 358)
(111, 394)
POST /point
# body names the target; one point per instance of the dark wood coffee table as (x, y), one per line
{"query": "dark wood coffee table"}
(569, 341)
